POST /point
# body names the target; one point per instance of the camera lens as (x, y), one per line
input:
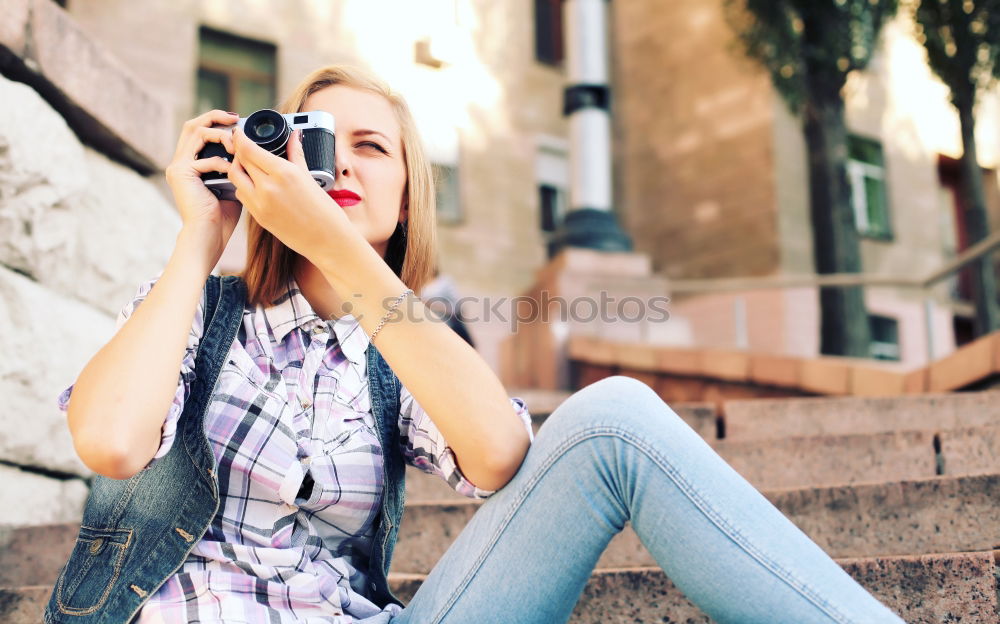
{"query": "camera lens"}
(268, 129)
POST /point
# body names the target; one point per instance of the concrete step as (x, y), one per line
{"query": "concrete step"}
(761, 419)
(813, 461)
(420, 486)
(940, 514)
(791, 443)
(34, 555)
(23, 605)
(702, 417)
(863, 458)
(928, 589)
(758, 419)
(925, 589)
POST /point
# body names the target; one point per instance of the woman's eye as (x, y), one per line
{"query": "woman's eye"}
(375, 145)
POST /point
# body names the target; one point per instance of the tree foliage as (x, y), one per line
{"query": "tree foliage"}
(962, 39)
(799, 41)
(809, 47)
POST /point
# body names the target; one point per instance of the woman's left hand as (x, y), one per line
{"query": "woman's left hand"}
(283, 197)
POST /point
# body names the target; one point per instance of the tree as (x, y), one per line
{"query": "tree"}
(809, 47)
(962, 39)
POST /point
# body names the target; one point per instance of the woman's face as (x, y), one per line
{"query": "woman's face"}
(369, 159)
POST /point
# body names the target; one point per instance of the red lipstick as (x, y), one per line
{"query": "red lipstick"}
(344, 198)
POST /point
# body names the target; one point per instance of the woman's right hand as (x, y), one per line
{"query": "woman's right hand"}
(199, 207)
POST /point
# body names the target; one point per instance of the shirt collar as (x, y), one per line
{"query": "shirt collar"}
(291, 309)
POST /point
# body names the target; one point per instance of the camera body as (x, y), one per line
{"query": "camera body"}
(271, 130)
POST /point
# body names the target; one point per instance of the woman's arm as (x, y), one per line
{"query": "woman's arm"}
(455, 386)
(122, 395)
(447, 377)
(121, 398)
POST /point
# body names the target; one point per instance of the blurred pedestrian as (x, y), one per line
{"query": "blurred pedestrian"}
(441, 296)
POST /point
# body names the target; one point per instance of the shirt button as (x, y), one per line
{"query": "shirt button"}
(307, 460)
(317, 331)
(306, 403)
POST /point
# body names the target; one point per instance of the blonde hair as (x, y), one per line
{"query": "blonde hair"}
(270, 263)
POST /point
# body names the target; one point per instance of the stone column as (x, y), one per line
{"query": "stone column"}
(590, 221)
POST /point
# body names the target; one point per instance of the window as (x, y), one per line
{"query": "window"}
(885, 337)
(551, 201)
(551, 180)
(234, 74)
(866, 176)
(549, 32)
(552, 210)
(449, 208)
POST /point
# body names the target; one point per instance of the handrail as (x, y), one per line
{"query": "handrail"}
(968, 256)
(726, 284)
(838, 280)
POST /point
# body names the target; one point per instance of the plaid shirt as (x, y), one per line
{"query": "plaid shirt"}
(299, 469)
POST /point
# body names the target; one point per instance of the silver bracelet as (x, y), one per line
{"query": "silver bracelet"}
(395, 303)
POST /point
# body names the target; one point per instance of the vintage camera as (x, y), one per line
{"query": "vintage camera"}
(271, 130)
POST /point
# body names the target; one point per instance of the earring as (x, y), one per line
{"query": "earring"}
(396, 251)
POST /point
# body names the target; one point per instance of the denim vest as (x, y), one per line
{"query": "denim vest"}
(137, 532)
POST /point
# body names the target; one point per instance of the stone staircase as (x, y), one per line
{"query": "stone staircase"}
(903, 492)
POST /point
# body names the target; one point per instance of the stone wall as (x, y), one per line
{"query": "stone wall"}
(78, 232)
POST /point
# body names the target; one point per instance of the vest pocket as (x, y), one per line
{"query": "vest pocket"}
(93, 568)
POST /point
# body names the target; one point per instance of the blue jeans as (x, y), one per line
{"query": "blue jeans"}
(615, 452)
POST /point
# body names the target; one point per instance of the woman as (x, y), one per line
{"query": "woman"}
(302, 466)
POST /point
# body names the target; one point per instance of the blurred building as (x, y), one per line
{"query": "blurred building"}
(711, 177)
(713, 180)
(489, 108)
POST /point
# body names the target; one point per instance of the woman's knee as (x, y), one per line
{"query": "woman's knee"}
(614, 399)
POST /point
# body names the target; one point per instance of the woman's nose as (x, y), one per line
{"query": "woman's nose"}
(342, 160)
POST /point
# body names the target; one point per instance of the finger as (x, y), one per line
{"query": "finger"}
(205, 120)
(256, 173)
(215, 163)
(296, 154)
(255, 158)
(213, 117)
(202, 136)
(239, 177)
(254, 170)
